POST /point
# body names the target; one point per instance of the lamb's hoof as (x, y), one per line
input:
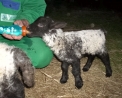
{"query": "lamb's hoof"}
(108, 74)
(79, 84)
(63, 80)
(85, 69)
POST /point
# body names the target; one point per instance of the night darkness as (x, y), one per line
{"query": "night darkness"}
(115, 5)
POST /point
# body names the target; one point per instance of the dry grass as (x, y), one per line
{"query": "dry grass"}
(96, 85)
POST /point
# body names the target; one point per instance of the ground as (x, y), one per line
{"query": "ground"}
(96, 85)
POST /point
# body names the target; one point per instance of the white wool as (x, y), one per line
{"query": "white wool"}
(90, 41)
(54, 45)
(12, 58)
(7, 66)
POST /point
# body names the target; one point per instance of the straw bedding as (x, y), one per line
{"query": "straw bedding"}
(96, 85)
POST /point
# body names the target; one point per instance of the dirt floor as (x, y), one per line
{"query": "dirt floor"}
(96, 85)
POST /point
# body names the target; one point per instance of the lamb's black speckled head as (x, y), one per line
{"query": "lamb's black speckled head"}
(43, 25)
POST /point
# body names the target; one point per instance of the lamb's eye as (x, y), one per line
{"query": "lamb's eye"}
(40, 25)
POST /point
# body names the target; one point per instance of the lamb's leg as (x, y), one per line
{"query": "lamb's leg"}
(24, 64)
(106, 61)
(64, 68)
(89, 62)
(76, 71)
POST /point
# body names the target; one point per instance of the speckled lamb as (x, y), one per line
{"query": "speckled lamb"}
(13, 59)
(70, 47)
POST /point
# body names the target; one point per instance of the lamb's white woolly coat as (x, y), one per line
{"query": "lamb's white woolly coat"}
(76, 43)
(7, 66)
(11, 60)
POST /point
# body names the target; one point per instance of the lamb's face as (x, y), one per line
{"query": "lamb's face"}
(43, 26)
(40, 27)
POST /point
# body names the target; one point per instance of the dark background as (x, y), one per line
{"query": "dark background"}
(115, 5)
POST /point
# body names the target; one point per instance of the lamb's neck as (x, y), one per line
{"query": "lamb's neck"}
(54, 40)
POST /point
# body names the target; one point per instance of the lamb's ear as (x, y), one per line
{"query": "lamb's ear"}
(58, 25)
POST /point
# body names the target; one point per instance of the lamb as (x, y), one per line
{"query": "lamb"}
(70, 47)
(14, 60)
